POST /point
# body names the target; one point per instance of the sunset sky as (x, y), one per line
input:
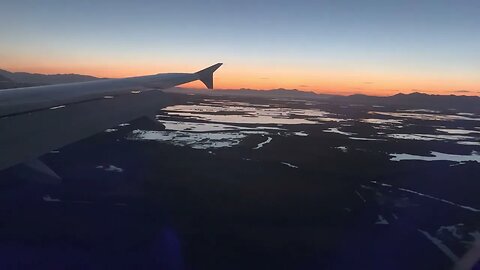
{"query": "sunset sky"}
(378, 47)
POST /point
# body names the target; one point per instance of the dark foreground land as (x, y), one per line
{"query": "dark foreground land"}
(293, 185)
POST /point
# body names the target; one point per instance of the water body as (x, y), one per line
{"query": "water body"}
(381, 121)
(244, 119)
(469, 143)
(245, 113)
(207, 127)
(457, 131)
(429, 137)
(420, 110)
(204, 135)
(437, 156)
(426, 116)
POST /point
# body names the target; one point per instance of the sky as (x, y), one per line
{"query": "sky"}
(377, 47)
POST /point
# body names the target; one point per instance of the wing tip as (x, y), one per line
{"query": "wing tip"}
(206, 75)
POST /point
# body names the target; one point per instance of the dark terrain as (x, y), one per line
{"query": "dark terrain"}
(156, 205)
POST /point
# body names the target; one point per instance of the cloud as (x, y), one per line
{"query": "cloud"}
(462, 91)
(264, 78)
(368, 82)
(303, 85)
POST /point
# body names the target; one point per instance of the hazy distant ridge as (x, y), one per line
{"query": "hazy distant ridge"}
(414, 100)
(34, 79)
(419, 100)
(273, 93)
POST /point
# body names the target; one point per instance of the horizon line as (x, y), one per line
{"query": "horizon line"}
(438, 92)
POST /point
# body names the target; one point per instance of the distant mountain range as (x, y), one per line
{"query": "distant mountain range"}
(273, 93)
(417, 100)
(22, 79)
(413, 100)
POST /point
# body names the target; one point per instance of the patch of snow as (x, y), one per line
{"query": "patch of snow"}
(300, 133)
(48, 198)
(381, 220)
(57, 107)
(381, 184)
(451, 229)
(440, 245)
(364, 139)
(336, 130)
(110, 168)
(465, 114)
(468, 143)
(290, 165)
(260, 145)
(193, 140)
(330, 119)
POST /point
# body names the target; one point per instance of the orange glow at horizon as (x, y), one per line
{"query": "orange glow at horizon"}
(342, 82)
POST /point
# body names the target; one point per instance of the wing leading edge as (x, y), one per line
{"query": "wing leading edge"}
(37, 120)
(21, 100)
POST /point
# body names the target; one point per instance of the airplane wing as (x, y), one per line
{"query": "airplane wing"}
(37, 120)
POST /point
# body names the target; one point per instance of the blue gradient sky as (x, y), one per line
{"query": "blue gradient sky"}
(378, 47)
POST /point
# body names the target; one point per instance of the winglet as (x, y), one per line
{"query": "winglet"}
(206, 75)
